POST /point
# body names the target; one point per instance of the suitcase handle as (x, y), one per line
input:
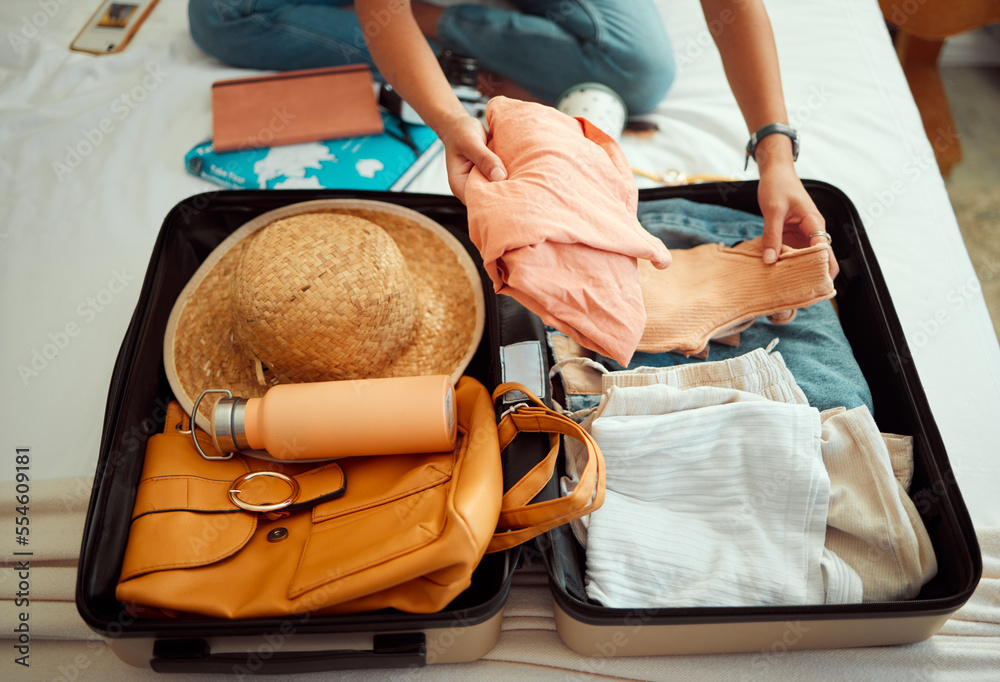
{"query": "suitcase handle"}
(397, 650)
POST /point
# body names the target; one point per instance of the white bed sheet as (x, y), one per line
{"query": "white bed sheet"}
(91, 160)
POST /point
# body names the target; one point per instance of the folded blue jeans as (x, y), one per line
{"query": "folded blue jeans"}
(813, 345)
(546, 46)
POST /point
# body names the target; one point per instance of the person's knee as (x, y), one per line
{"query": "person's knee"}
(647, 75)
(214, 24)
(204, 20)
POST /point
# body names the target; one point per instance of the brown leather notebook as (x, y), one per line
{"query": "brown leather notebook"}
(294, 107)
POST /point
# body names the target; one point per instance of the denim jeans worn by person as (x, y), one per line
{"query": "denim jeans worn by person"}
(813, 345)
(546, 46)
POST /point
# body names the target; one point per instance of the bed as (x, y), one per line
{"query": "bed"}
(91, 160)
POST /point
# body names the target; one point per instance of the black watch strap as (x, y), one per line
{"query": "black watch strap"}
(779, 128)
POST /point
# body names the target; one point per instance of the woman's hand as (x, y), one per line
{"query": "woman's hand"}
(790, 216)
(405, 59)
(464, 139)
(751, 64)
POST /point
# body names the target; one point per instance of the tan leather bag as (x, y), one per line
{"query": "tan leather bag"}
(360, 533)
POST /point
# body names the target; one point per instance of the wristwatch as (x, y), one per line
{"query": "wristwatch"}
(771, 129)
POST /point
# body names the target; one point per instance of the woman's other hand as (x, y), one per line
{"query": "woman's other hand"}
(790, 216)
(464, 139)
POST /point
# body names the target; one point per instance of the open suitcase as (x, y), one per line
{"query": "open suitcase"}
(513, 349)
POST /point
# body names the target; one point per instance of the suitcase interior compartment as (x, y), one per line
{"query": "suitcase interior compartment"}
(136, 409)
(900, 406)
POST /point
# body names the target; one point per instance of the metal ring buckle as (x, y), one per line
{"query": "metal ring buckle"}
(235, 490)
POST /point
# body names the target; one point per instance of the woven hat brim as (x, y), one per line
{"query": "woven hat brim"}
(199, 352)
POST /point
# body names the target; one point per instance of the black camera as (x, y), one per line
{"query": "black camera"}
(463, 76)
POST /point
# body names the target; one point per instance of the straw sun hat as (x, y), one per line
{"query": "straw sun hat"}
(323, 291)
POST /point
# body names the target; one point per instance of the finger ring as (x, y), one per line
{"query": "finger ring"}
(829, 239)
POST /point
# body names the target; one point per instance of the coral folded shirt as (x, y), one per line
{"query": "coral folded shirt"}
(560, 234)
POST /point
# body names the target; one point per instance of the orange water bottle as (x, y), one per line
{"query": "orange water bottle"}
(332, 419)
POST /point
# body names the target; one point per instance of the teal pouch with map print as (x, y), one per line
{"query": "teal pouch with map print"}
(377, 162)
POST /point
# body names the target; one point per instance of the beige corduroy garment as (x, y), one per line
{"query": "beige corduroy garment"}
(713, 291)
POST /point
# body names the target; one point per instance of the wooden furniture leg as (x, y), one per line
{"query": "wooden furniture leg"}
(919, 59)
